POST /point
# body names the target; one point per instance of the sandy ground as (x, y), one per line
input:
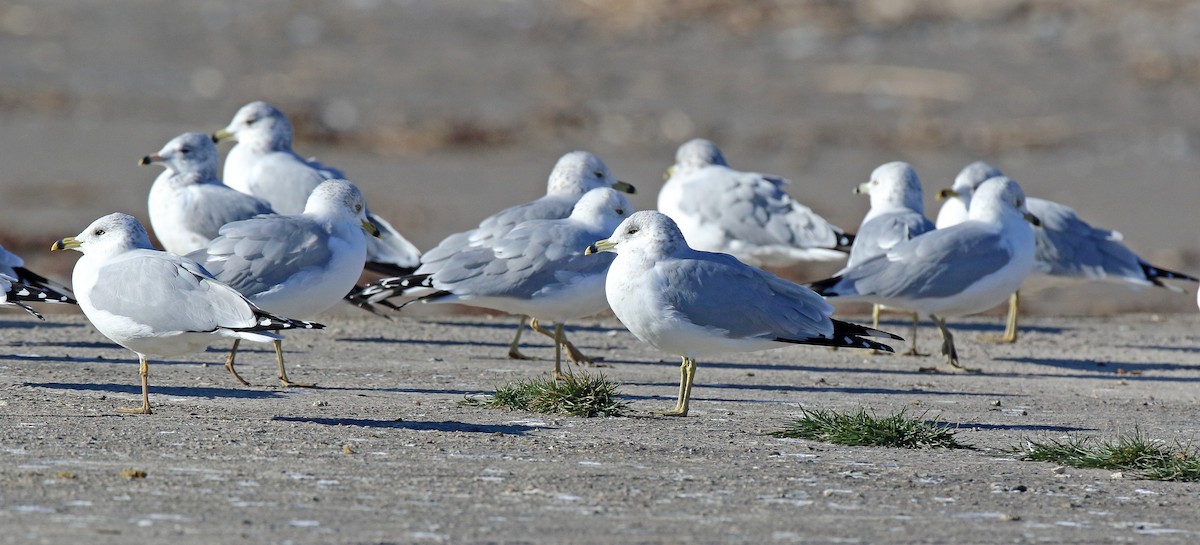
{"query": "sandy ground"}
(382, 451)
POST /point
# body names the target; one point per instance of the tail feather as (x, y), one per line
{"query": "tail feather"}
(1158, 274)
(846, 334)
(44, 290)
(265, 321)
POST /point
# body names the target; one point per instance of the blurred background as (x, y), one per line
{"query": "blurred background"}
(445, 111)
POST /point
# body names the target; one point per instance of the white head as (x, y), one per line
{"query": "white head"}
(648, 234)
(602, 208)
(110, 235)
(337, 201)
(968, 180)
(578, 172)
(191, 157)
(997, 198)
(694, 155)
(894, 185)
(258, 124)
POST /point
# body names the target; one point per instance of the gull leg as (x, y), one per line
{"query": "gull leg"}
(875, 316)
(1010, 324)
(576, 356)
(687, 373)
(229, 363)
(282, 373)
(948, 345)
(144, 371)
(514, 351)
(913, 351)
(558, 340)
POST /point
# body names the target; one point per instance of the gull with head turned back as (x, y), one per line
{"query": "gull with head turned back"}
(955, 271)
(157, 303)
(1068, 248)
(695, 304)
(299, 265)
(746, 214)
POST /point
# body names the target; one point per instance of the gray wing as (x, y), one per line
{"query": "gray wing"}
(497, 225)
(255, 254)
(716, 290)
(885, 231)
(1068, 246)
(939, 263)
(285, 180)
(217, 205)
(168, 293)
(753, 208)
(534, 256)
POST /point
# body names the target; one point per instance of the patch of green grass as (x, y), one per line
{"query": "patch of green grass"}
(865, 429)
(1146, 458)
(580, 394)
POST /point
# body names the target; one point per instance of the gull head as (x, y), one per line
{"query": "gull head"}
(258, 123)
(601, 208)
(649, 233)
(340, 200)
(893, 185)
(968, 180)
(109, 235)
(578, 172)
(188, 153)
(1000, 195)
(696, 154)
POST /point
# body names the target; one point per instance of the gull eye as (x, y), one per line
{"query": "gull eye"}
(874, 182)
(185, 150)
(98, 232)
(598, 173)
(632, 230)
(358, 208)
(620, 211)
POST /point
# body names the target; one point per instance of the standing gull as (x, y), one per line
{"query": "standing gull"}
(538, 269)
(897, 214)
(745, 214)
(188, 204)
(157, 303)
(959, 270)
(696, 304)
(1068, 248)
(263, 164)
(575, 174)
(293, 265)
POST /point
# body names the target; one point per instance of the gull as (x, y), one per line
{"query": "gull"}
(263, 164)
(157, 303)
(299, 265)
(21, 285)
(695, 304)
(575, 174)
(955, 271)
(897, 214)
(745, 214)
(538, 269)
(188, 204)
(1068, 248)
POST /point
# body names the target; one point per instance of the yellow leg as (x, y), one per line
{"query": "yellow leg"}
(514, 351)
(144, 371)
(875, 316)
(1010, 324)
(229, 363)
(687, 373)
(558, 340)
(913, 350)
(283, 373)
(576, 356)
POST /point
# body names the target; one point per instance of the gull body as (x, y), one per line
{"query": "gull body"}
(299, 265)
(696, 304)
(955, 271)
(158, 303)
(746, 214)
(263, 164)
(188, 204)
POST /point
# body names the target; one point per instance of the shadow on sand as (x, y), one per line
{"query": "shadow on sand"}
(506, 429)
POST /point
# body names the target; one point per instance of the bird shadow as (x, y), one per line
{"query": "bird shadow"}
(415, 425)
(428, 342)
(1125, 370)
(506, 325)
(775, 367)
(996, 327)
(73, 359)
(1184, 349)
(20, 324)
(176, 391)
(71, 344)
(1009, 427)
(830, 389)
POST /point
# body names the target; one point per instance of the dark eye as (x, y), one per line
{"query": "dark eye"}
(620, 211)
(251, 120)
(185, 150)
(631, 230)
(98, 232)
(599, 174)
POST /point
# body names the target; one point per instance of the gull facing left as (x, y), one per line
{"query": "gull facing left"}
(696, 304)
(157, 303)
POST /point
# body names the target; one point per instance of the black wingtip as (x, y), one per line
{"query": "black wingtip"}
(848, 335)
(1154, 274)
(389, 269)
(824, 287)
(845, 241)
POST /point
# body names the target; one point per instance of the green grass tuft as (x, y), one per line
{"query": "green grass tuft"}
(1143, 457)
(579, 395)
(866, 429)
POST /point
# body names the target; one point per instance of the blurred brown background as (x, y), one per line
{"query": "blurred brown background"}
(446, 111)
